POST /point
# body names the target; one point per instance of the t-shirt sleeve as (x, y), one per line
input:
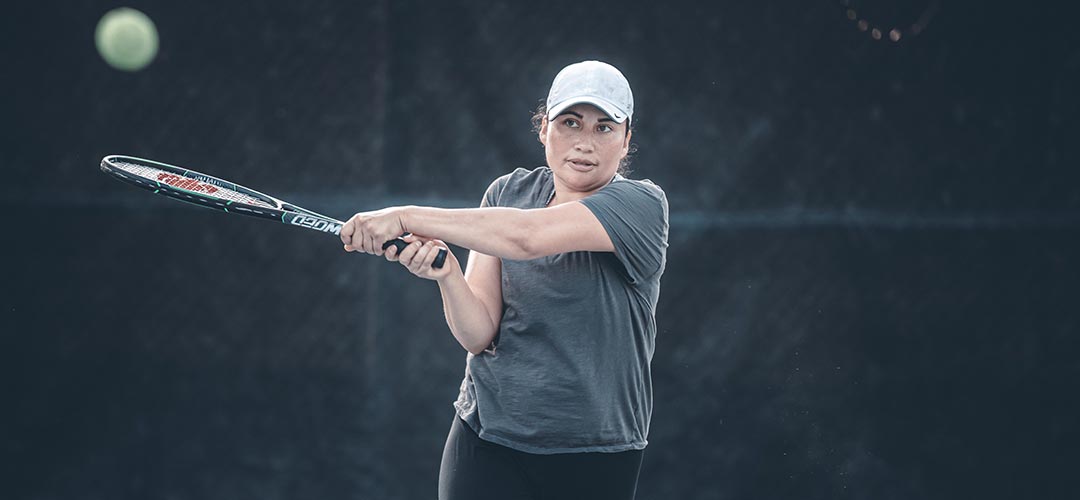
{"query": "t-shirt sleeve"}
(491, 195)
(635, 216)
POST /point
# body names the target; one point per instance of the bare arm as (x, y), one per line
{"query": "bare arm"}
(510, 232)
(472, 302)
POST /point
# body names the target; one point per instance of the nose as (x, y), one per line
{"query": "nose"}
(584, 145)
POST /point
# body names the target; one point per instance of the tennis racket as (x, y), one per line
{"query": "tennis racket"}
(207, 191)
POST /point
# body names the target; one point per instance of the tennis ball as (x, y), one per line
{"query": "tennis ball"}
(126, 39)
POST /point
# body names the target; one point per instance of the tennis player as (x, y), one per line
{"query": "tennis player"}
(556, 307)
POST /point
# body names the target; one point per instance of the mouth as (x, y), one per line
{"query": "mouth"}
(580, 164)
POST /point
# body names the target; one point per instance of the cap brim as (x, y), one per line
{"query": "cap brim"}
(607, 107)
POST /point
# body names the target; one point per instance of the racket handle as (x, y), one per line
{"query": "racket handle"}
(440, 259)
(400, 244)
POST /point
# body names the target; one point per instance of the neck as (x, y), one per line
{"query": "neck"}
(564, 194)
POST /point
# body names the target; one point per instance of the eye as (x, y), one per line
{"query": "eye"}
(605, 128)
(570, 122)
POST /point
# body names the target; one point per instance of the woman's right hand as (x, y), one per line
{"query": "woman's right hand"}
(418, 256)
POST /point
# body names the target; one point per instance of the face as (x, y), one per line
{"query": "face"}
(584, 147)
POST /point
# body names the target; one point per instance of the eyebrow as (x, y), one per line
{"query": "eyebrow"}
(604, 119)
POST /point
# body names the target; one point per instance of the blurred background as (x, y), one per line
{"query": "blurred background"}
(871, 288)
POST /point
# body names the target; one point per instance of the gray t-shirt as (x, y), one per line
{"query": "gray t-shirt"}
(568, 370)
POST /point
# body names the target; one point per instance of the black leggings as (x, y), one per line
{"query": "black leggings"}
(475, 469)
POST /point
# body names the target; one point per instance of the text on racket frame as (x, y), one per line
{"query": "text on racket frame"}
(316, 224)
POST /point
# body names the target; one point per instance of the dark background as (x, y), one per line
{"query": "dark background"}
(871, 288)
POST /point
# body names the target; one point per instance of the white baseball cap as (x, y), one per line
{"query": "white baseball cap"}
(591, 82)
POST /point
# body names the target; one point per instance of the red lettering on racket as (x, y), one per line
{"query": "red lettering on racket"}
(185, 183)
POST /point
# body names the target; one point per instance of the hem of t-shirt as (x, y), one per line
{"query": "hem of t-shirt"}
(539, 450)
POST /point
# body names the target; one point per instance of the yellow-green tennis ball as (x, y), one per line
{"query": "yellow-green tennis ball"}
(126, 39)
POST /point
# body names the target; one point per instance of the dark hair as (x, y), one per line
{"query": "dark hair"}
(624, 164)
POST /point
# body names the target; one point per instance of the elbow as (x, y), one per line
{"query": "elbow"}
(477, 347)
(525, 251)
(523, 239)
(476, 341)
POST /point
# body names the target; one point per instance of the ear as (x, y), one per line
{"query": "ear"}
(626, 143)
(542, 135)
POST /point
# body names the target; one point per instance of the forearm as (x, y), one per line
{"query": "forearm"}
(496, 231)
(466, 316)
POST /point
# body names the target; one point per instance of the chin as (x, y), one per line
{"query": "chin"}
(584, 179)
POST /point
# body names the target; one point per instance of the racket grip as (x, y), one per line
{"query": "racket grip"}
(400, 244)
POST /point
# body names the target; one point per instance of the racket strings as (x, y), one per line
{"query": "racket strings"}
(178, 181)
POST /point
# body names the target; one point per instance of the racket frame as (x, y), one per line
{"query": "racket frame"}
(278, 210)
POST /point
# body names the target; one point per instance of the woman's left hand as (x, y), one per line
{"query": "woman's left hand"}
(368, 231)
(419, 256)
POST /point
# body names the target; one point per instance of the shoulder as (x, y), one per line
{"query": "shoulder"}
(635, 190)
(522, 175)
(629, 201)
(519, 182)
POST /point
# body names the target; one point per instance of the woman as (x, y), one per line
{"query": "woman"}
(556, 306)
